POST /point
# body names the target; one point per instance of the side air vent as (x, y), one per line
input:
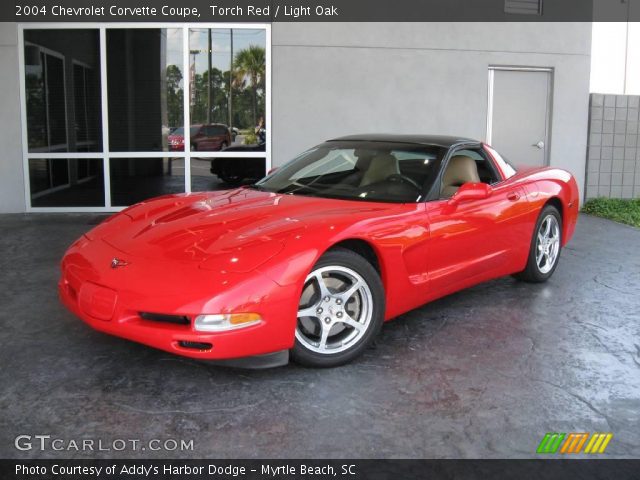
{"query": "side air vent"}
(159, 317)
(195, 345)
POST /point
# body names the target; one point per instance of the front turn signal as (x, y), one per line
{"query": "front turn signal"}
(225, 322)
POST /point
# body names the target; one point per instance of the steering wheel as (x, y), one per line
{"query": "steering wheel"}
(398, 177)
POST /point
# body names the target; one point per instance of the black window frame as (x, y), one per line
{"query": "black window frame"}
(435, 193)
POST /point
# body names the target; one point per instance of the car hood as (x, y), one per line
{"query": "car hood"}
(242, 224)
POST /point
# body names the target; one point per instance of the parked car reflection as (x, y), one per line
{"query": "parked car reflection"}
(205, 137)
(239, 171)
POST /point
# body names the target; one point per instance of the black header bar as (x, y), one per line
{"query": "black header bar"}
(267, 11)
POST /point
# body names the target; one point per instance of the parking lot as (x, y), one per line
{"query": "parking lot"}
(481, 373)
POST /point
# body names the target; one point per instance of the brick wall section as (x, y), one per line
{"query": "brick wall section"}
(613, 156)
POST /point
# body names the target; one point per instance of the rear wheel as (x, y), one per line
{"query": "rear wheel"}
(340, 311)
(546, 244)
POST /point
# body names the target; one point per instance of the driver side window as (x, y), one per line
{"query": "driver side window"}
(486, 170)
(468, 165)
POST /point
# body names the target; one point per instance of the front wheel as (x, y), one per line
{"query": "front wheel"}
(546, 244)
(340, 311)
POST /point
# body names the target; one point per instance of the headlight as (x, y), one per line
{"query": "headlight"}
(225, 322)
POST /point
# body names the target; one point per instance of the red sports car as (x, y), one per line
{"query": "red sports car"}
(311, 261)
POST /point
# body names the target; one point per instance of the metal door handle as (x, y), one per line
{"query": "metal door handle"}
(540, 145)
(513, 196)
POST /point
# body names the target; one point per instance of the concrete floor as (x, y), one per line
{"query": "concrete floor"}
(482, 373)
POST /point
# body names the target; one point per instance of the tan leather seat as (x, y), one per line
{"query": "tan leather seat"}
(461, 169)
(381, 167)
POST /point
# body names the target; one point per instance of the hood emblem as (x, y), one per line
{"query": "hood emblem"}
(116, 262)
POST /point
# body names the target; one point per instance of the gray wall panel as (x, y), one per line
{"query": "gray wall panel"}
(11, 173)
(568, 38)
(614, 171)
(322, 90)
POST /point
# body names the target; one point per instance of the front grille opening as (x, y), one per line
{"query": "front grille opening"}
(195, 345)
(159, 317)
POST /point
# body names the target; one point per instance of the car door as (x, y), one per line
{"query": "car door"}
(476, 239)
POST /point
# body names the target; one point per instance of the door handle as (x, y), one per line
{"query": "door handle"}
(539, 145)
(513, 196)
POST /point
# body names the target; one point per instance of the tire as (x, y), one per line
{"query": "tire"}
(230, 178)
(194, 147)
(544, 252)
(326, 335)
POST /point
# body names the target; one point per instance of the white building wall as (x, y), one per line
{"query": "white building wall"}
(615, 62)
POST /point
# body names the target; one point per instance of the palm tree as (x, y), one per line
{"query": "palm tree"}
(249, 70)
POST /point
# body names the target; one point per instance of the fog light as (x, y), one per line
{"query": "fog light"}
(225, 322)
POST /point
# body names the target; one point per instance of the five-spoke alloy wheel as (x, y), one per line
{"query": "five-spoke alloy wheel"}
(545, 247)
(547, 243)
(340, 310)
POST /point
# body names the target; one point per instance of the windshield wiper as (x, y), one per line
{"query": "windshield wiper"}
(296, 187)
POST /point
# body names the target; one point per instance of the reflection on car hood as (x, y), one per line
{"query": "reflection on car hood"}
(194, 226)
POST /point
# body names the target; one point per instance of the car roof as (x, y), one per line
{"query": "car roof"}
(438, 140)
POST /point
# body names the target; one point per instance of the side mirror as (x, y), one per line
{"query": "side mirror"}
(471, 191)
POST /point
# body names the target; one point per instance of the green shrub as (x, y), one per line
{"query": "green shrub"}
(250, 139)
(623, 211)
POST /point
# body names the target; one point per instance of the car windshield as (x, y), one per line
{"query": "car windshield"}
(359, 170)
(180, 131)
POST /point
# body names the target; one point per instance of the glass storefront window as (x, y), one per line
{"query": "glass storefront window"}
(145, 88)
(62, 89)
(137, 179)
(66, 182)
(227, 84)
(222, 173)
(182, 107)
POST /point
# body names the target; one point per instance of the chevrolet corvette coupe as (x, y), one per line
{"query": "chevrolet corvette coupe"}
(310, 261)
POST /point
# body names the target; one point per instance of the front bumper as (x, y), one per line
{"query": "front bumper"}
(113, 301)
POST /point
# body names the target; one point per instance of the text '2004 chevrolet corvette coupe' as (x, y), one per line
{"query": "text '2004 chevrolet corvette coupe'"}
(314, 258)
